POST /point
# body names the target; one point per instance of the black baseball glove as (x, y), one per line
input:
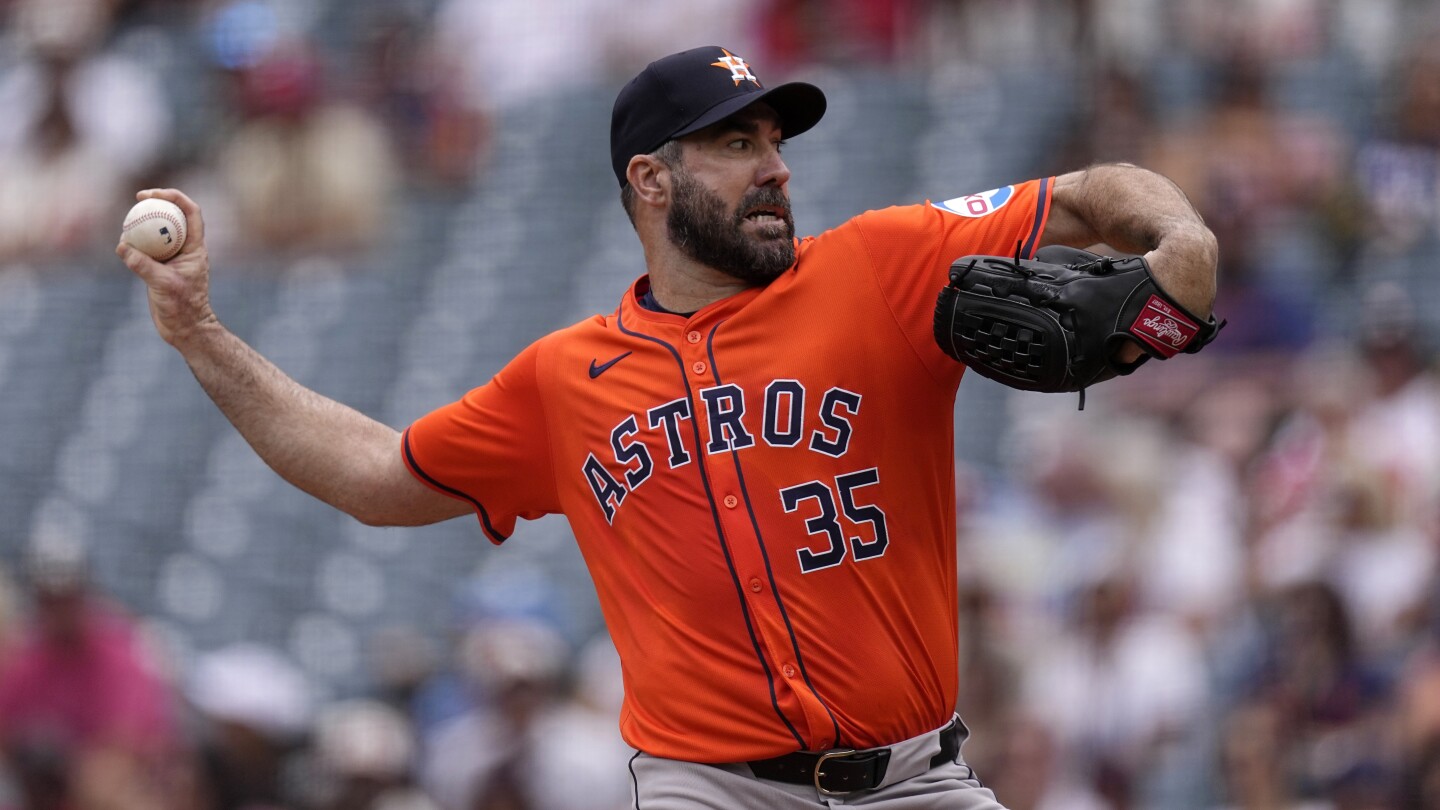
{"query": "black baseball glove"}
(1054, 323)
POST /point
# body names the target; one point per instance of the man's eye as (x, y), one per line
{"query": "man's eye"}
(739, 144)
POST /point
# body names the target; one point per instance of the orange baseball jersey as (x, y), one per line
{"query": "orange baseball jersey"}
(763, 491)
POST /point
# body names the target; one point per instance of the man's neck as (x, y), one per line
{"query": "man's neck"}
(680, 284)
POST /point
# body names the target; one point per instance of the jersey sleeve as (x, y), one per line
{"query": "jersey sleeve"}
(912, 247)
(490, 449)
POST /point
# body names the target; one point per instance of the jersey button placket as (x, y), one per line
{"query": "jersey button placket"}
(745, 545)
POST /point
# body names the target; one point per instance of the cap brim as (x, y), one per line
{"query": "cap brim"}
(800, 106)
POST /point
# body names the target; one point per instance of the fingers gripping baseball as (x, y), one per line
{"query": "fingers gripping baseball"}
(179, 288)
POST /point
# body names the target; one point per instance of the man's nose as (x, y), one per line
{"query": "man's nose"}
(773, 171)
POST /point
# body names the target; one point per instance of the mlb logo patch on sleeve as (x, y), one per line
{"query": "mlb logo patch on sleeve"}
(978, 205)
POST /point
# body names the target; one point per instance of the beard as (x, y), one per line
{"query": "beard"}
(704, 231)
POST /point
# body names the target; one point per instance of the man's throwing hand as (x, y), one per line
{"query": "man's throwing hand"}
(179, 289)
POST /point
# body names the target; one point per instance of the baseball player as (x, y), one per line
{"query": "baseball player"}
(754, 450)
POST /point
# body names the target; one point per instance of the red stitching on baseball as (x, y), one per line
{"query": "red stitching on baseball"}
(166, 215)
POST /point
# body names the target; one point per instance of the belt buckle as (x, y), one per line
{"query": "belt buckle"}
(820, 763)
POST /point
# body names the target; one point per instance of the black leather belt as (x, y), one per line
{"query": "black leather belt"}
(843, 770)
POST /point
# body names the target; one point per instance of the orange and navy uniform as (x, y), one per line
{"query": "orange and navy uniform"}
(763, 491)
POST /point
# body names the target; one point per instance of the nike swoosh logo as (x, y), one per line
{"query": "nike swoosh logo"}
(596, 371)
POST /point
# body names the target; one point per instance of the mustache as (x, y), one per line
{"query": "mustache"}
(768, 196)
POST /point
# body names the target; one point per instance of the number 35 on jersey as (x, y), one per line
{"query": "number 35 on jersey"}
(836, 512)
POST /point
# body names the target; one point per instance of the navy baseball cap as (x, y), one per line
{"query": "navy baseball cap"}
(690, 90)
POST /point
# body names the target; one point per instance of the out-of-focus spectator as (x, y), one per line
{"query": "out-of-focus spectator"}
(1422, 784)
(83, 710)
(1263, 177)
(633, 36)
(580, 762)
(1381, 567)
(1419, 691)
(401, 660)
(1030, 773)
(1193, 560)
(989, 676)
(419, 90)
(255, 708)
(1328, 699)
(1117, 124)
(79, 125)
(511, 51)
(1280, 32)
(508, 53)
(487, 60)
(1347, 491)
(1399, 171)
(1121, 689)
(365, 752)
(1418, 718)
(1290, 532)
(307, 171)
(1062, 528)
(999, 33)
(1254, 767)
(527, 745)
(849, 32)
(1396, 430)
(513, 666)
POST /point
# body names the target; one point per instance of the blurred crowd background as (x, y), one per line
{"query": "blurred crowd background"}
(1216, 587)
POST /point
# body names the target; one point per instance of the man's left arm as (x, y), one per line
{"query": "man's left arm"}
(1137, 211)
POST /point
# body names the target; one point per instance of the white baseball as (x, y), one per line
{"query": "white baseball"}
(156, 228)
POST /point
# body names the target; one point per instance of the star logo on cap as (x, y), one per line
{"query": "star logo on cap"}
(739, 71)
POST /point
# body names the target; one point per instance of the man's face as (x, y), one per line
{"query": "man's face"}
(730, 206)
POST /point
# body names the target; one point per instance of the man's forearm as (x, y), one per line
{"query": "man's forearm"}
(1138, 211)
(327, 449)
(335, 453)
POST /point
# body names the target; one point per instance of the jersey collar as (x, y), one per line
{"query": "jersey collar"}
(635, 313)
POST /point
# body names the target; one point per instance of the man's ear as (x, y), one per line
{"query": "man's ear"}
(650, 178)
